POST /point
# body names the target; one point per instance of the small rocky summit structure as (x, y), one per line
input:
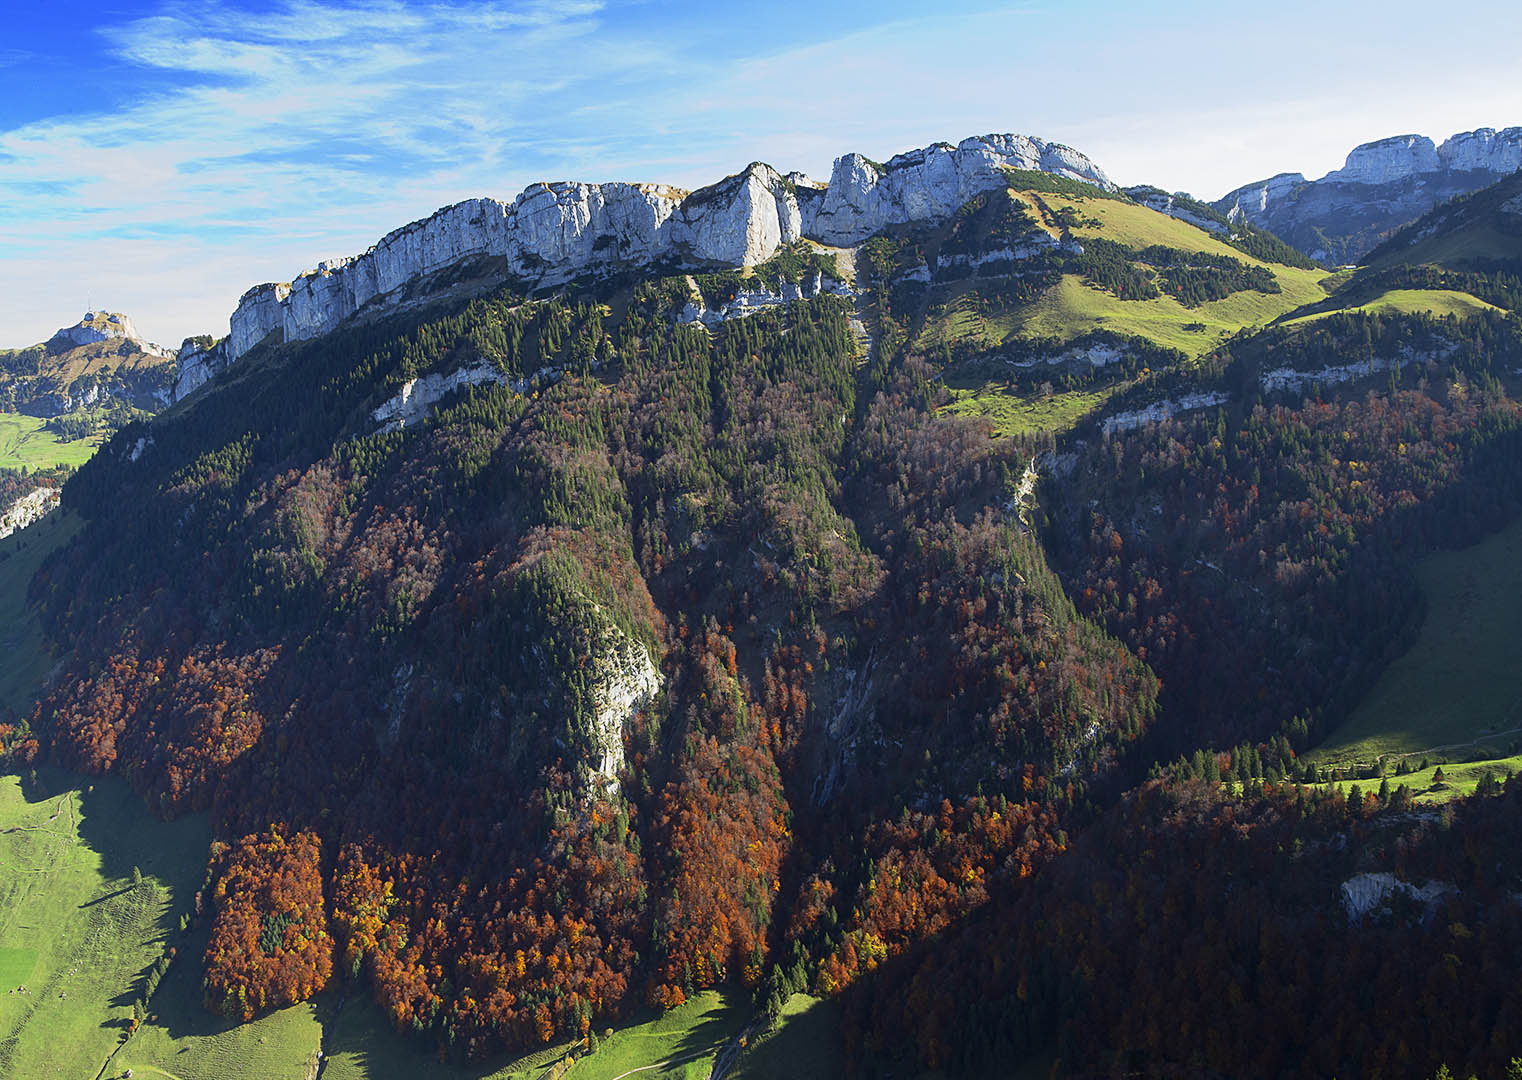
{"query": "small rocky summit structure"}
(101, 360)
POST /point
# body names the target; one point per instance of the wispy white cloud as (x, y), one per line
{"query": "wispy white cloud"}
(262, 143)
(302, 129)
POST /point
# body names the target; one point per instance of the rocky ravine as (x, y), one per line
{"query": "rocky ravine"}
(555, 232)
(1383, 185)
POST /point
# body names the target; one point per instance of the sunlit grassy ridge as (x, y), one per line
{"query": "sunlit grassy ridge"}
(1072, 308)
(1459, 779)
(1438, 302)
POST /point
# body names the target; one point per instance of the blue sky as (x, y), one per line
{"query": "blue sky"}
(160, 157)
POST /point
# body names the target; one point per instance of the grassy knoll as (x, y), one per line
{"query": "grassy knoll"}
(1071, 309)
(806, 1047)
(1461, 682)
(24, 659)
(1013, 413)
(689, 1037)
(1459, 779)
(361, 1045)
(1438, 302)
(23, 441)
(76, 931)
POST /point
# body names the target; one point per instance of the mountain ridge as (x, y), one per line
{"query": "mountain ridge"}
(555, 231)
(1382, 185)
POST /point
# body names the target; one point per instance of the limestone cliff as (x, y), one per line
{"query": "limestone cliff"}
(1383, 185)
(554, 232)
(32, 506)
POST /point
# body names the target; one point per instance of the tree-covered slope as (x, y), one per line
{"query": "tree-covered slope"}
(553, 701)
(544, 654)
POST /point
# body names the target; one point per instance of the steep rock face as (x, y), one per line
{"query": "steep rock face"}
(1251, 201)
(1365, 893)
(1383, 185)
(104, 326)
(259, 313)
(1387, 160)
(554, 232)
(417, 396)
(624, 679)
(195, 364)
(864, 197)
(1484, 148)
(27, 509)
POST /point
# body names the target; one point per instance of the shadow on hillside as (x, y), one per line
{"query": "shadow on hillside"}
(112, 822)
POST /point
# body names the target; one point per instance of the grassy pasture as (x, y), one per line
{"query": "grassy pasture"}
(24, 659)
(806, 1047)
(1072, 308)
(1460, 778)
(1460, 685)
(76, 931)
(1013, 413)
(1438, 302)
(688, 1037)
(23, 441)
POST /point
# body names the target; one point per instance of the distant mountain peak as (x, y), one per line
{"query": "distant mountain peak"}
(1382, 185)
(98, 326)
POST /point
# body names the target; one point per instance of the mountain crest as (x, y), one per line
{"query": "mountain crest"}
(554, 232)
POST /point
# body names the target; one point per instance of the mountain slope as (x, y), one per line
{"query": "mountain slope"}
(619, 625)
(541, 650)
(1462, 258)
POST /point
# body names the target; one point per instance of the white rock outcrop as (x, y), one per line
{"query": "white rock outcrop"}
(195, 364)
(105, 326)
(412, 402)
(1252, 200)
(1484, 148)
(30, 507)
(555, 232)
(864, 198)
(1095, 355)
(758, 296)
(1172, 205)
(624, 679)
(1387, 160)
(1365, 893)
(1163, 410)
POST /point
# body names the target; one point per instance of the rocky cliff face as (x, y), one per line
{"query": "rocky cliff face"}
(1383, 185)
(104, 326)
(863, 197)
(555, 232)
(31, 507)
